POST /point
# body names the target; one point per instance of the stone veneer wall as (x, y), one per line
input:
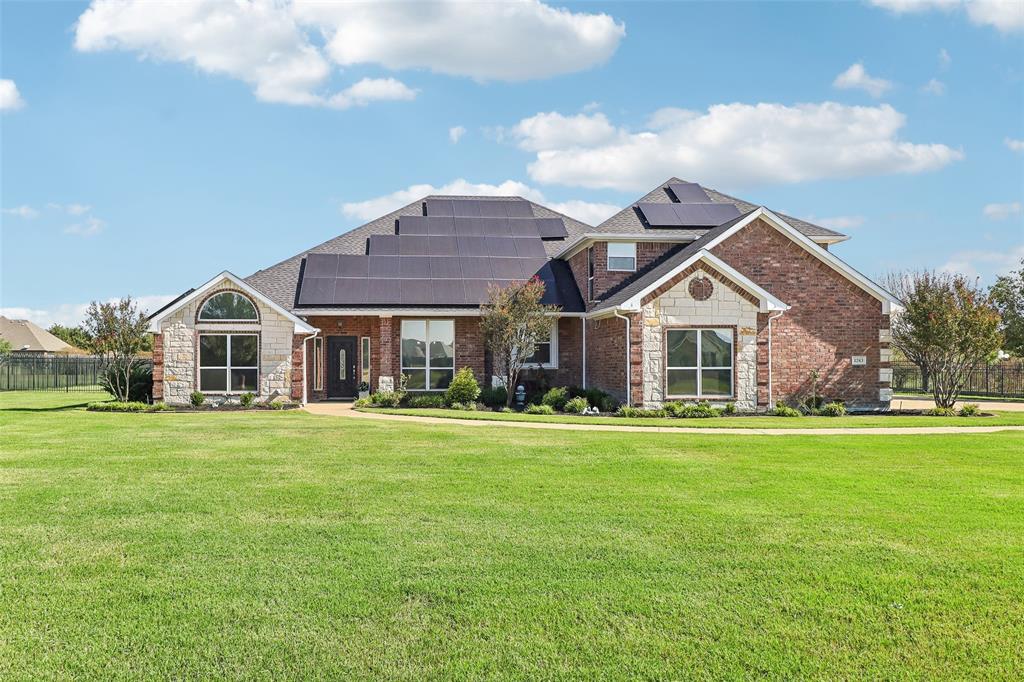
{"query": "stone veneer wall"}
(677, 308)
(179, 344)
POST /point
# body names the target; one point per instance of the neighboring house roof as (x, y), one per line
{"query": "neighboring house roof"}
(632, 290)
(27, 336)
(191, 295)
(627, 220)
(280, 282)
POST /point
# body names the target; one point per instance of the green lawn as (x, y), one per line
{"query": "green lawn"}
(762, 422)
(285, 545)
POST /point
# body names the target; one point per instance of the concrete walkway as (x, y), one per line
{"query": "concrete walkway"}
(915, 403)
(344, 409)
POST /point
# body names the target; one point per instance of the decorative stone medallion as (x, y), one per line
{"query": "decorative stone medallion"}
(701, 288)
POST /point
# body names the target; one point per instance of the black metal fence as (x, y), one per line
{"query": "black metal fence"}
(20, 372)
(1004, 380)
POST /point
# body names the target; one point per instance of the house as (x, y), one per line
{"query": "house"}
(686, 294)
(29, 338)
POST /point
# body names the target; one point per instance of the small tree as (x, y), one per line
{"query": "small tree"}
(513, 320)
(117, 332)
(952, 325)
(1008, 296)
(902, 286)
(73, 336)
(5, 347)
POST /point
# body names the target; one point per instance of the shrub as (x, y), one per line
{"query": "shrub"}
(118, 406)
(494, 397)
(577, 405)
(970, 410)
(363, 402)
(701, 410)
(539, 409)
(506, 409)
(465, 407)
(387, 398)
(196, 398)
(640, 413)
(729, 409)
(426, 401)
(596, 397)
(940, 412)
(281, 404)
(833, 409)
(140, 381)
(673, 408)
(784, 410)
(247, 399)
(463, 388)
(557, 397)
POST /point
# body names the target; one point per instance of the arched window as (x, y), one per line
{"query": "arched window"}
(228, 306)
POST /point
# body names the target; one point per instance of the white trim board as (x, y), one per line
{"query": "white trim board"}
(300, 325)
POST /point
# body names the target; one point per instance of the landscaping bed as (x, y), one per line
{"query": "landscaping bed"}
(116, 406)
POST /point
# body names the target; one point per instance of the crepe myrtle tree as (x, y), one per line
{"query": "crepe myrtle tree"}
(117, 332)
(950, 325)
(513, 320)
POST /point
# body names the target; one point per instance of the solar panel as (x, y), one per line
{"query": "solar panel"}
(383, 245)
(551, 228)
(523, 227)
(321, 265)
(414, 266)
(493, 208)
(384, 266)
(448, 292)
(412, 224)
(442, 246)
(519, 209)
(689, 193)
(439, 207)
(528, 248)
(353, 266)
(441, 227)
(506, 268)
(417, 292)
(387, 291)
(475, 268)
(351, 291)
(659, 215)
(472, 246)
(500, 246)
(466, 208)
(317, 291)
(412, 246)
(445, 267)
(688, 215)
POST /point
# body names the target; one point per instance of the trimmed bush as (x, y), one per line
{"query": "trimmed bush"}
(833, 409)
(363, 402)
(426, 401)
(539, 409)
(132, 406)
(196, 399)
(282, 405)
(640, 413)
(940, 412)
(701, 410)
(463, 388)
(970, 410)
(556, 397)
(494, 397)
(784, 410)
(673, 408)
(247, 399)
(387, 398)
(577, 405)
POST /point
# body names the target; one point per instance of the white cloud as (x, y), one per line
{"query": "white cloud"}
(1002, 211)
(71, 314)
(22, 211)
(90, 227)
(1004, 15)
(591, 106)
(1014, 145)
(740, 145)
(10, 98)
(510, 41)
(372, 90)
(588, 212)
(839, 222)
(77, 209)
(857, 78)
(944, 58)
(985, 264)
(934, 87)
(268, 43)
(455, 133)
(553, 130)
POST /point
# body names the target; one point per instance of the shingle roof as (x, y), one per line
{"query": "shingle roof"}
(627, 221)
(280, 281)
(24, 335)
(632, 287)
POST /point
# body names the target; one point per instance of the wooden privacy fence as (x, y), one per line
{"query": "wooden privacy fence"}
(1003, 380)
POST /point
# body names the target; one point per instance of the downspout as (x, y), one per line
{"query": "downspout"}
(629, 385)
(583, 321)
(305, 374)
(770, 318)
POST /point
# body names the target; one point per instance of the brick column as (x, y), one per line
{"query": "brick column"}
(298, 381)
(385, 376)
(636, 359)
(762, 360)
(158, 367)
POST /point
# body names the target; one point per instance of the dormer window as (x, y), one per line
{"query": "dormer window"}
(622, 256)
(228, 306)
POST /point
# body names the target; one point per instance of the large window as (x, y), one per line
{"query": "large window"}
(228, 306)
(229, 363)
(428, 353)
(699, 363)
(622, 256)
(545, 352)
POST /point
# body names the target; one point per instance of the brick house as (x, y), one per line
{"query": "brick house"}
(687, 294)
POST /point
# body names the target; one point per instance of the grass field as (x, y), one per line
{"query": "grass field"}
(754, 422)
(285, 545)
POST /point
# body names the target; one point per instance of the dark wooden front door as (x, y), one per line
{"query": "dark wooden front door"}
(341, 366)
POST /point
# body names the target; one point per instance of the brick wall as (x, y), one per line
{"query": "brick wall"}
(606, 356)
(570, 355)
(831, 319)
(604, 280)
(158, 367)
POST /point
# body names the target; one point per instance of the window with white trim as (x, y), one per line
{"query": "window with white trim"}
(318, 363)
(699, 363)
(428, 354)
(228, 306)
(622, 256)
(545, 352)
(229, 363)
(365, 353)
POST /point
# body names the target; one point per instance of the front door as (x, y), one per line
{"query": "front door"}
(341, 366)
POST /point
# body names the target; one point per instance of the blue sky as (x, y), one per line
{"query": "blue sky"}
(144, 150)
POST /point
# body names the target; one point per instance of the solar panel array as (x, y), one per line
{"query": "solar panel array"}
(483, 208)
(443, 226)
(689, 193)
(688, 215)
